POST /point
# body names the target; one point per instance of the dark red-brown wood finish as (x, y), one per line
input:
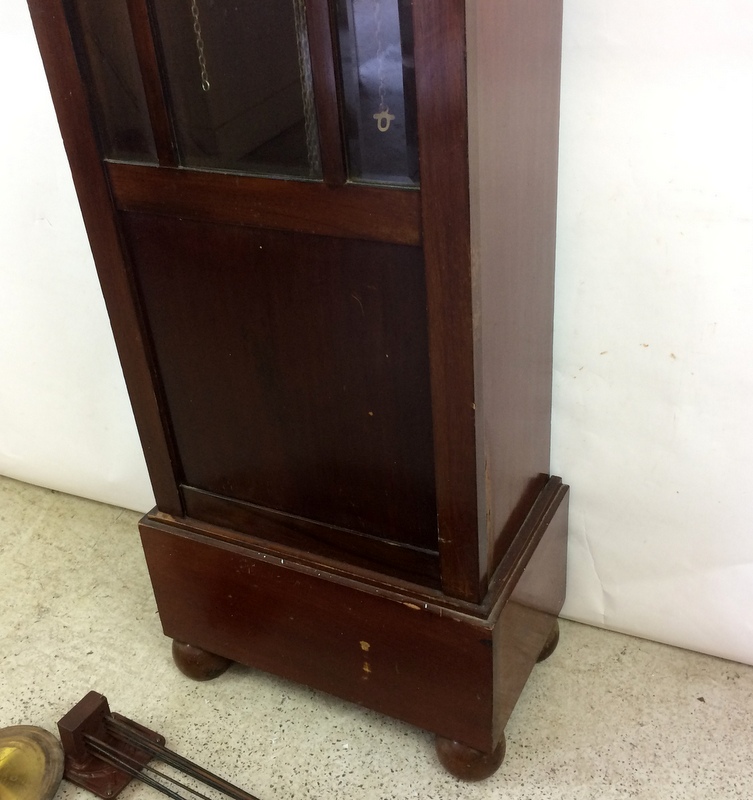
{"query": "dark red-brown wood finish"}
(328, 100)
(154, 90)
(343, 390)
(71, 101)
(351, 211)
(443, 148)
(514, 64)
(451, 667)
(342, 434)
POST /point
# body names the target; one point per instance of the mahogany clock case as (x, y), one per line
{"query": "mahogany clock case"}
(328, 265)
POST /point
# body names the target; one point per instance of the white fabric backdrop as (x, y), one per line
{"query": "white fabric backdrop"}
(652, 421)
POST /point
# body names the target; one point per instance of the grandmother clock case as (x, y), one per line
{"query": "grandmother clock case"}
(324, 230)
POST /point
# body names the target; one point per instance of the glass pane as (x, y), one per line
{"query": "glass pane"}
(239, 78)
(378, 79)
(107, 54)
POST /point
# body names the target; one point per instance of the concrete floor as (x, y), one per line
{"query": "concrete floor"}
(607, 716)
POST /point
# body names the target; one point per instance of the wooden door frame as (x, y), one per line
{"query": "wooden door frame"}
(437, 216)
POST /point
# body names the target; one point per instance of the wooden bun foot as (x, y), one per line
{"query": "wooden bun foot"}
(551, 643)
(466, 763)
(196, 663)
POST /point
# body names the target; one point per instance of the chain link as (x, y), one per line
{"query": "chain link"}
(307, 87)
(380, 54)
(205, 85)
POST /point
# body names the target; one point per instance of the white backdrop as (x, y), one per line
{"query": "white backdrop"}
(652, 423)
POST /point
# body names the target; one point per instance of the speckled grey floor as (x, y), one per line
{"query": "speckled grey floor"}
(607, 716)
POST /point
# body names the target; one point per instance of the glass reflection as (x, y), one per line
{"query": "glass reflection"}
(107, 56)
(378, 80)
(239, 78)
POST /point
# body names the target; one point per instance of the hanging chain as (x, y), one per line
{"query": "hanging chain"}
(307, 87)
(205, 85)
(383, 117)
(380, 54)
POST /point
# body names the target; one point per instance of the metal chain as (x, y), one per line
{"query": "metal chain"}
(380, 54)
(307, 87)
(205, 85)
(383, 117)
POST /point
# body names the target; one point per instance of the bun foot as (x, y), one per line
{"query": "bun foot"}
(551, 643)
(196, 663)
(466, 763)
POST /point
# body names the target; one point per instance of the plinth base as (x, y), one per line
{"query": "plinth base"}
(453, 668)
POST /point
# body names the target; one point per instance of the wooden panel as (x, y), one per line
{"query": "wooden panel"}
(405, 654)
(412, 661)
(70, 101)
(315, 539)
(501, 585)
(360, 212)
(439, 27)
(537, 598)
(296, 371)
(514, 71)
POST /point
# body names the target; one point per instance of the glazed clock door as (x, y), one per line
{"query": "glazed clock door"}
(263, 160)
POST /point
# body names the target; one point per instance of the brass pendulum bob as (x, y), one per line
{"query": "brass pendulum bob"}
(31, 763)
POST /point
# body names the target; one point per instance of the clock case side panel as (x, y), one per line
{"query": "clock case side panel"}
(71, 102)
(514, 55)
(488, 75)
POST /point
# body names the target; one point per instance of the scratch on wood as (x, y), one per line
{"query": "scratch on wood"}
(358, 300)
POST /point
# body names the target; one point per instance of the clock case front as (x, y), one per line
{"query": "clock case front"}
(325, 236)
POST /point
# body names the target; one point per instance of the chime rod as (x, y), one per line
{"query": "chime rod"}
(114, 757)
(136, 764)
(176, 760)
